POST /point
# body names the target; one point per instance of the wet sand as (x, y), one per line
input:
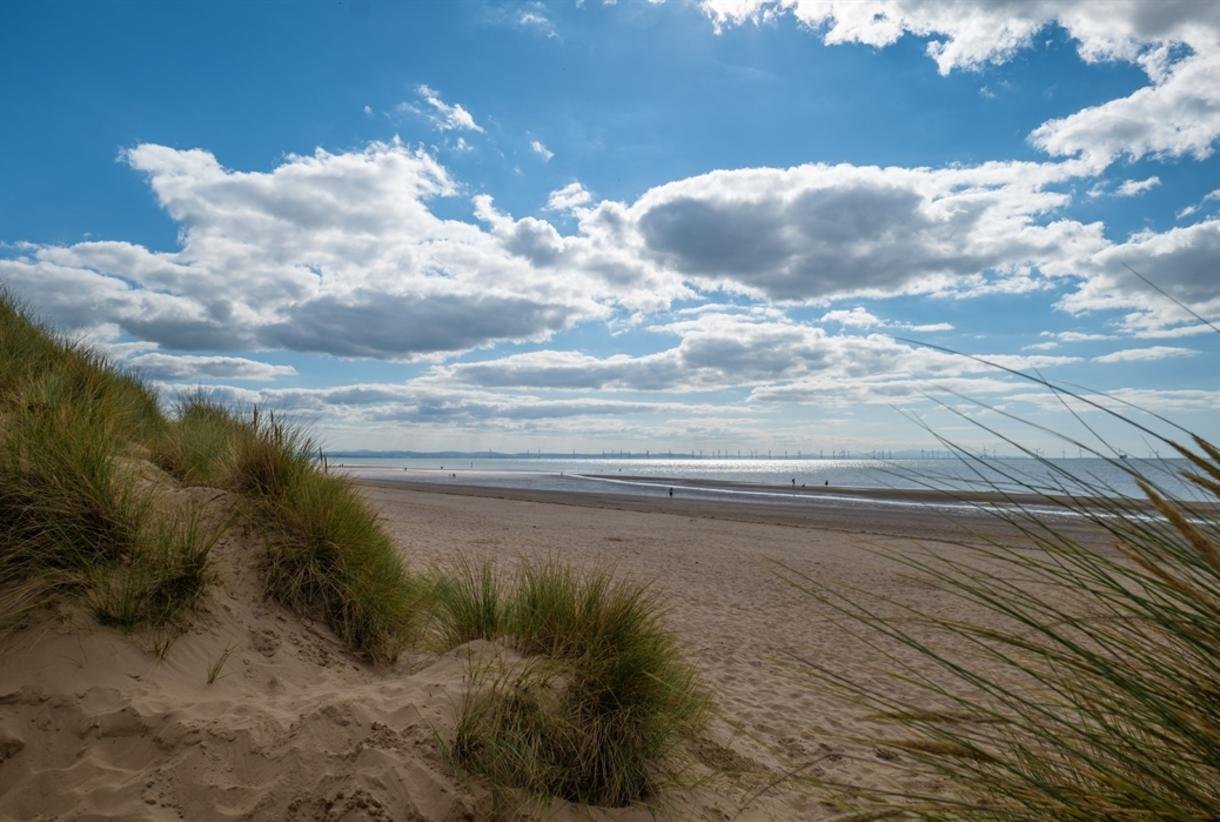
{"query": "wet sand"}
(921, 514)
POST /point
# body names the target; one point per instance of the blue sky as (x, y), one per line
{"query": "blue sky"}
(695, 224)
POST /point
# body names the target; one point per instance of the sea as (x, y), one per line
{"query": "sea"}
(651, 476)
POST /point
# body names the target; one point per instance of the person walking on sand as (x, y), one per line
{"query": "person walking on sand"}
(671, 493)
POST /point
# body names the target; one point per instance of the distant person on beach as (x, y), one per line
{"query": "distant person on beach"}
(794, 482)
(827, 483)
(671, 492)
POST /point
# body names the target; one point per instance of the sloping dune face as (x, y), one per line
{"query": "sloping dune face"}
(95, 724)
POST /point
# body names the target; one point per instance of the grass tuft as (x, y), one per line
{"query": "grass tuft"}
(598, 720)
(163, 579)
(470, 604)
(197, 446)
(1090, 686)
(72, 515)
(328, 556)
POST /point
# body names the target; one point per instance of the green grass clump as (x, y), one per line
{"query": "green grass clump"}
(70, 373)
(470, 604)
(72, 516)
(596, 720)
(197, 446)
(328, 555)
(166, 576)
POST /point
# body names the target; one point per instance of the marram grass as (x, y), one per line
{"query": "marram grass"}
(73, 518)
(1091, 688)
(599, 713)
(327, 555)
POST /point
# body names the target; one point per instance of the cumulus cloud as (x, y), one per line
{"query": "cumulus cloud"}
(568, 198)
(817, 232)
(1177, 115)
(336, 253)
(1181, 261)
(1149, 354)
(542, 151)
(421, 402)
(859, 317)
(1134, 188)
(721, 350)
(446, 116)
(969, 35)
(170, 367)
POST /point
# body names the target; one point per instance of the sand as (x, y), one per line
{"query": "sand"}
(94, 725)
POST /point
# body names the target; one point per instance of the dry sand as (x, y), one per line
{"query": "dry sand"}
(93, 725)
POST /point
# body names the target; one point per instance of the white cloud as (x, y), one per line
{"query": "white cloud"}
(425, 402)
(724, 350)
(1122, 400)
(858, 317)
(817, 232)
(542, 151)
(1077, 336)
(1151, 353)
(969, 35)
(568, 198)
(1181, 261)
(533, 16)
(334, 253)
(1194, 208)
(170, 367)
(447, 117)
(1178, 115)
(1134, 188)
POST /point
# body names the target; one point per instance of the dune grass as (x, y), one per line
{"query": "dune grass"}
(469, 603)
(197, 446)
(598, 715)
(72, 516)
(327, 555)
(162, 579)
(1091, 687)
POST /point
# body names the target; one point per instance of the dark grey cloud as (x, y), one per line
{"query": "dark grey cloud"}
(389, 326)
(813, 233)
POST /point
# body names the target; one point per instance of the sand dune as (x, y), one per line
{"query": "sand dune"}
(95, 726)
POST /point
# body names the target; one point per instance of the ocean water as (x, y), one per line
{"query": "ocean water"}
(615, 475)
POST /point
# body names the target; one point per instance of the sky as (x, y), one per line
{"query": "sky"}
(695, 225)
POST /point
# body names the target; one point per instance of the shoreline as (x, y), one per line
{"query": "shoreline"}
(916, 518)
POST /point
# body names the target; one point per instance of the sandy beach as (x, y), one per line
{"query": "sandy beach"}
(96, 726)
(721, 571)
